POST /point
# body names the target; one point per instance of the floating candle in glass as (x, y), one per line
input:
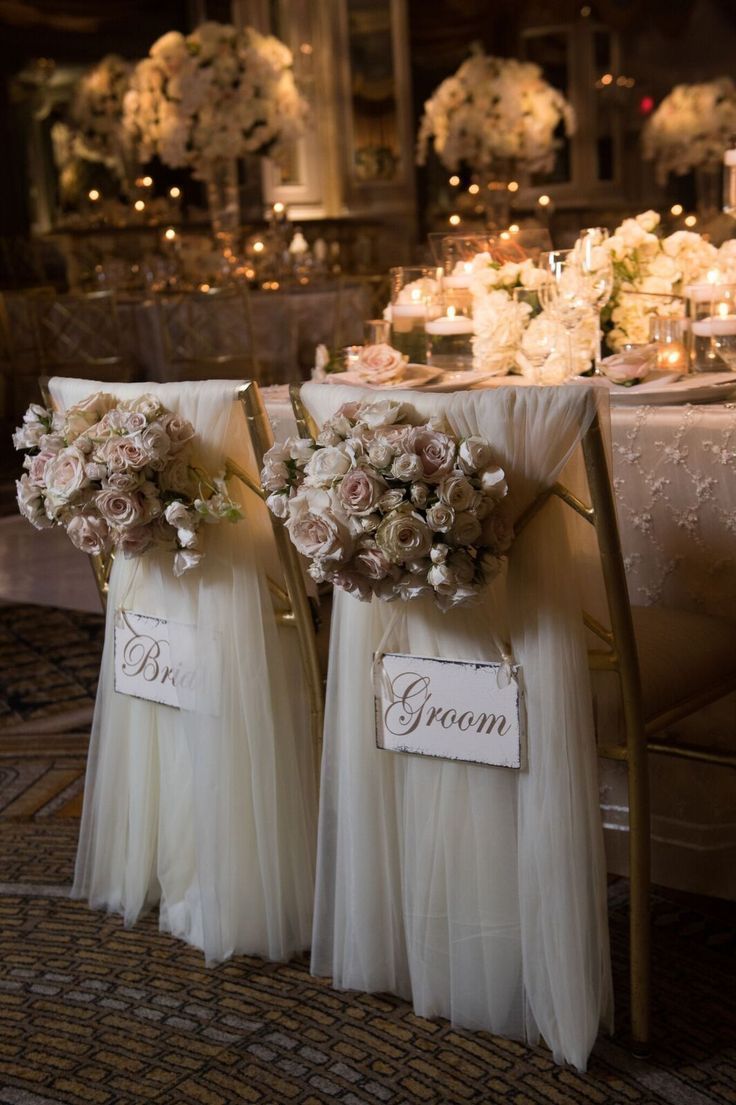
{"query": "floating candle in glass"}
(449, 344)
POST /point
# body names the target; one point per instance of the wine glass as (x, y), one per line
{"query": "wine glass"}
(597, 266)
(567, 294)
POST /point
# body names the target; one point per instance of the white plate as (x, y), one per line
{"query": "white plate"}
(415, 376)
(468, 378)
(701, 387)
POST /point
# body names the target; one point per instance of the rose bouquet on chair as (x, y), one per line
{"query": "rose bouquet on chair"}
(382, 506)
(120, 476)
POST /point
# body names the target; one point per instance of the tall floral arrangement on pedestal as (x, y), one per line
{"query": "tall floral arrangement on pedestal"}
(217, 93)
(96, 112)
(493, 111)
(691, 127)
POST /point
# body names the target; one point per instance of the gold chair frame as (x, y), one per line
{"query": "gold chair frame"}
(292, 607)
(619, 655)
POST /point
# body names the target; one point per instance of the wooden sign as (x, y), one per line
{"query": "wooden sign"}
(147, 666)
(453, 709)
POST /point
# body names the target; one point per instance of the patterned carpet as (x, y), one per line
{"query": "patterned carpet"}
(93, 1013)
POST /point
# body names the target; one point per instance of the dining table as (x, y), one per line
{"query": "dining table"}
(674, 477)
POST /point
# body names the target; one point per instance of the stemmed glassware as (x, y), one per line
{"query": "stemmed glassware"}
(596, 265)
(568, 294)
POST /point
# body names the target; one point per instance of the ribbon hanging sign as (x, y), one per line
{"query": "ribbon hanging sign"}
(454, 709)
(156, 659)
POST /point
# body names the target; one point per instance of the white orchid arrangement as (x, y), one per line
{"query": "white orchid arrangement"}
(651, 273)
(96, 112)
(216, 93)
(692, 126)
(382, 506)
(494, 110)
(120, 476)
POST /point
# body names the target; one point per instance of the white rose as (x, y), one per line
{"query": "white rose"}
(318, 529)
(89, 533)
(390, 500)
(65, 475)
(474, 453)
(360, 491)
(121, 509)
(404, 535)
(385, 412)
(493, 481)
(148, 405)
(380, 454)
(274, 474)
(419, 494)
(407, 467)
(155, 444)
(440, 517)
(457, 492)
(278, 504)
(381, 362)
(441, 576)
(327, 465)
(31, 503)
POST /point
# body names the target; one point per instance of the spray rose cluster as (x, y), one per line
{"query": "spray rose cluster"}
(381, 506)
(119, 476)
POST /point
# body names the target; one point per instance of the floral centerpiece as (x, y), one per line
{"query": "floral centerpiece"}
(120, 476)
(651, 273)
(217, 93)
(96, 112)
(692, 127)
(382, 506)
(493, 111)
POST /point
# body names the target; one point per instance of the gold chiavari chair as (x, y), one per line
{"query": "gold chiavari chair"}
(209, 334)
(652, 653)
(80, 335)
(292, 606)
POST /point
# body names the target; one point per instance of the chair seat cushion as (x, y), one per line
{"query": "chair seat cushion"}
(680, 654)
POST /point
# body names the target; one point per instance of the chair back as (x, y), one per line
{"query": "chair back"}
(208, 334)
(80, 335)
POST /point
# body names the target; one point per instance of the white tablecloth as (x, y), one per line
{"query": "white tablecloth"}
(674, 471)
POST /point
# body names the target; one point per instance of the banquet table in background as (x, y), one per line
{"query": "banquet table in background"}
(674, 472)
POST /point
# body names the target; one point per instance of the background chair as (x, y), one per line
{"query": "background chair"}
(80, 335)
(209, 334)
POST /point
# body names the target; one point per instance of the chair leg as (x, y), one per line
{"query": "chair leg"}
(639, 903)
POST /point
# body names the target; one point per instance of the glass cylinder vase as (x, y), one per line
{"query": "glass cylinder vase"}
(495, 195)
(708, 189)
(223, 200)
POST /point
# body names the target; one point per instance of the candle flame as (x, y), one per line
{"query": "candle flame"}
(713, 276)
(416, 295)
(468, 266)
(722, 310)
(450, 312)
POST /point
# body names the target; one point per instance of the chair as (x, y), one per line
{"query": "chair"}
(19, 352)
(209, 334)
(644, 647)
(209, 809)
(80, 335)
(662, 678)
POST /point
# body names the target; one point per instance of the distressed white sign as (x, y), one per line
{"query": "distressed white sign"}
(454, 709)
(156, 659)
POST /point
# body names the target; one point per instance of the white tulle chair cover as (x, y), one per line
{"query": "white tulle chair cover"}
(210, 813)
(477, 892)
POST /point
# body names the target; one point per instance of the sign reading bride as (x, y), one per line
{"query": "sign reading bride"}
(156, 659)
(453, 709)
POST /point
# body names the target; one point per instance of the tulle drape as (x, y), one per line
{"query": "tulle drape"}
(477, 892)
(212, 811)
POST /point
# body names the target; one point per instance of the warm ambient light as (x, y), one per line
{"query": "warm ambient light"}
(607, 79)
(544, 201)
(722, 310)
(174, 192)
(147, 182)
(454, 181)
(305, 48)
(474, 189)
(94, 195)
(513, 186)
(676, 209)
(204, 287)
(278, 208)
(258, 247)
(139, 205)
(691, 220)
(514, 228)
(454, 220)
(169, 233)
